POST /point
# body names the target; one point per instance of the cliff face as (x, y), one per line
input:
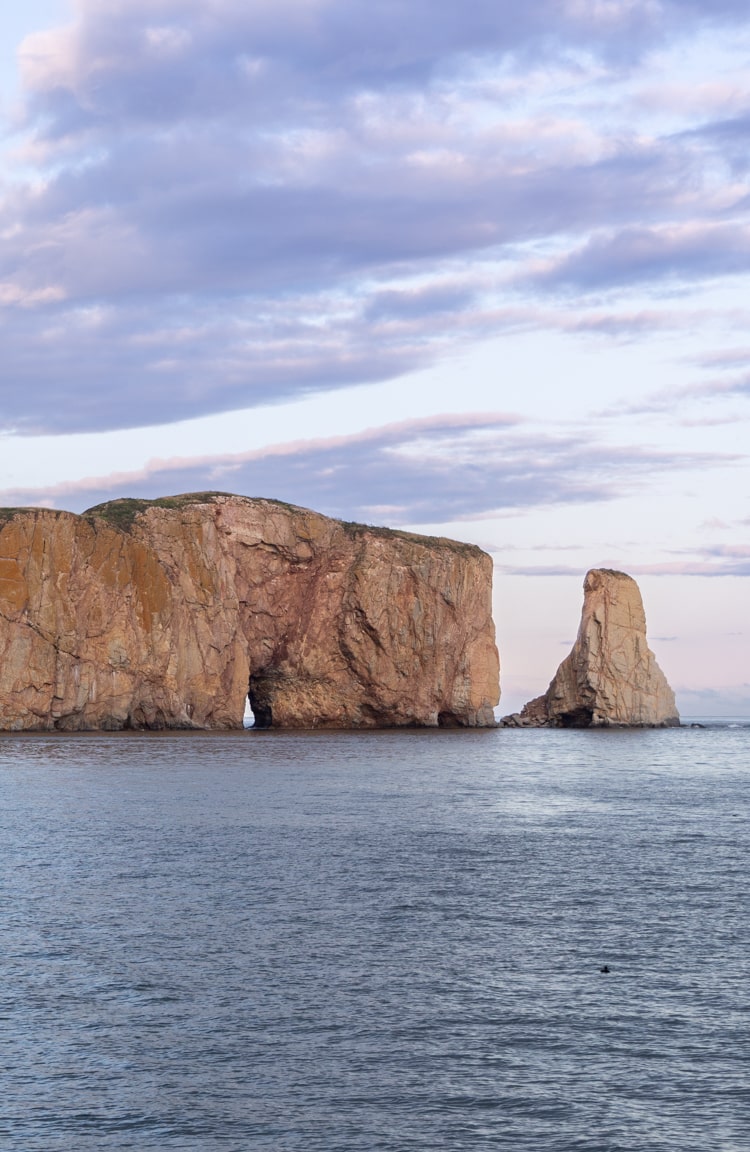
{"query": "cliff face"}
(611, 677)
(166, 613)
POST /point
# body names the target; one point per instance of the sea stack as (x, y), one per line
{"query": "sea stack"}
(611, 678)
(170, 613)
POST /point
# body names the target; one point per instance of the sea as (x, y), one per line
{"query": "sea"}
(376, 941)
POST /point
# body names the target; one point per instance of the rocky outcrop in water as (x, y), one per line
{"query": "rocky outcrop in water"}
(167, 613)
(610, 678)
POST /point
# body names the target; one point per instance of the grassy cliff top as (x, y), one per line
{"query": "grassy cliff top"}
(7, 514)
(123, 512)
(352, 528)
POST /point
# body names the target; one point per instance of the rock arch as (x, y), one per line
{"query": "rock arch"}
(169, 613)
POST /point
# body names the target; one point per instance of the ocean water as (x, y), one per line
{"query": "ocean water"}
(383, 941)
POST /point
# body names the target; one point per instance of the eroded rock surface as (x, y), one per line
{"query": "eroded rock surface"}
(165, 613)
(610, 678)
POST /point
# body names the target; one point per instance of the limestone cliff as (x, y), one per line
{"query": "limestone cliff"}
(153, 614)
(610, 678)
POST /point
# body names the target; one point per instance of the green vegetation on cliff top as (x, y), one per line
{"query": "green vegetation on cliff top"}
(7, 514)
(352, 528)
(122, 513)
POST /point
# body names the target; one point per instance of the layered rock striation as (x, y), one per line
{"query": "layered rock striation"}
(610, 678)
(168, 613)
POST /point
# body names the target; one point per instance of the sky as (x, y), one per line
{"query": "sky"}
(476, 269)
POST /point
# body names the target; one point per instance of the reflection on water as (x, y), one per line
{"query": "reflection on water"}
(375, 941)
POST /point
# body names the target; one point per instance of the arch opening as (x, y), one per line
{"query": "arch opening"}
(450, 720)
(578, 718)
(259, 704)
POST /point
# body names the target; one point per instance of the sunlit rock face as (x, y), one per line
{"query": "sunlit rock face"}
(168, 613)
(611, 677)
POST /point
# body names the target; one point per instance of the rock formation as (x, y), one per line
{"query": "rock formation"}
(168, 613)
(610, 678)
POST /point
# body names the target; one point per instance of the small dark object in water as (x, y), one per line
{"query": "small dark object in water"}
(697, 725)
(605, 968)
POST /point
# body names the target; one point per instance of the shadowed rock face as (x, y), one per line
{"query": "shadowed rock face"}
(158, 614)
(610, 678)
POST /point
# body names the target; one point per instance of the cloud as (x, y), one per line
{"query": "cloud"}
(668, 568)
(434, 470)
(101, 367)
(684, 252)
(189, 55)
(708, 99)
(155, 60)
(725, 358)
(721, 560)
(217, 205)
(728, 136)
(738, 386)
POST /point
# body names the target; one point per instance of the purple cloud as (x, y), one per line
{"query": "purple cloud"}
(685, 252)
(719, 560)
(238, 203)
(434, 470)
(162, 60)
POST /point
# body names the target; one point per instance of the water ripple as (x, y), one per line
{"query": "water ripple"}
(375, 942)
